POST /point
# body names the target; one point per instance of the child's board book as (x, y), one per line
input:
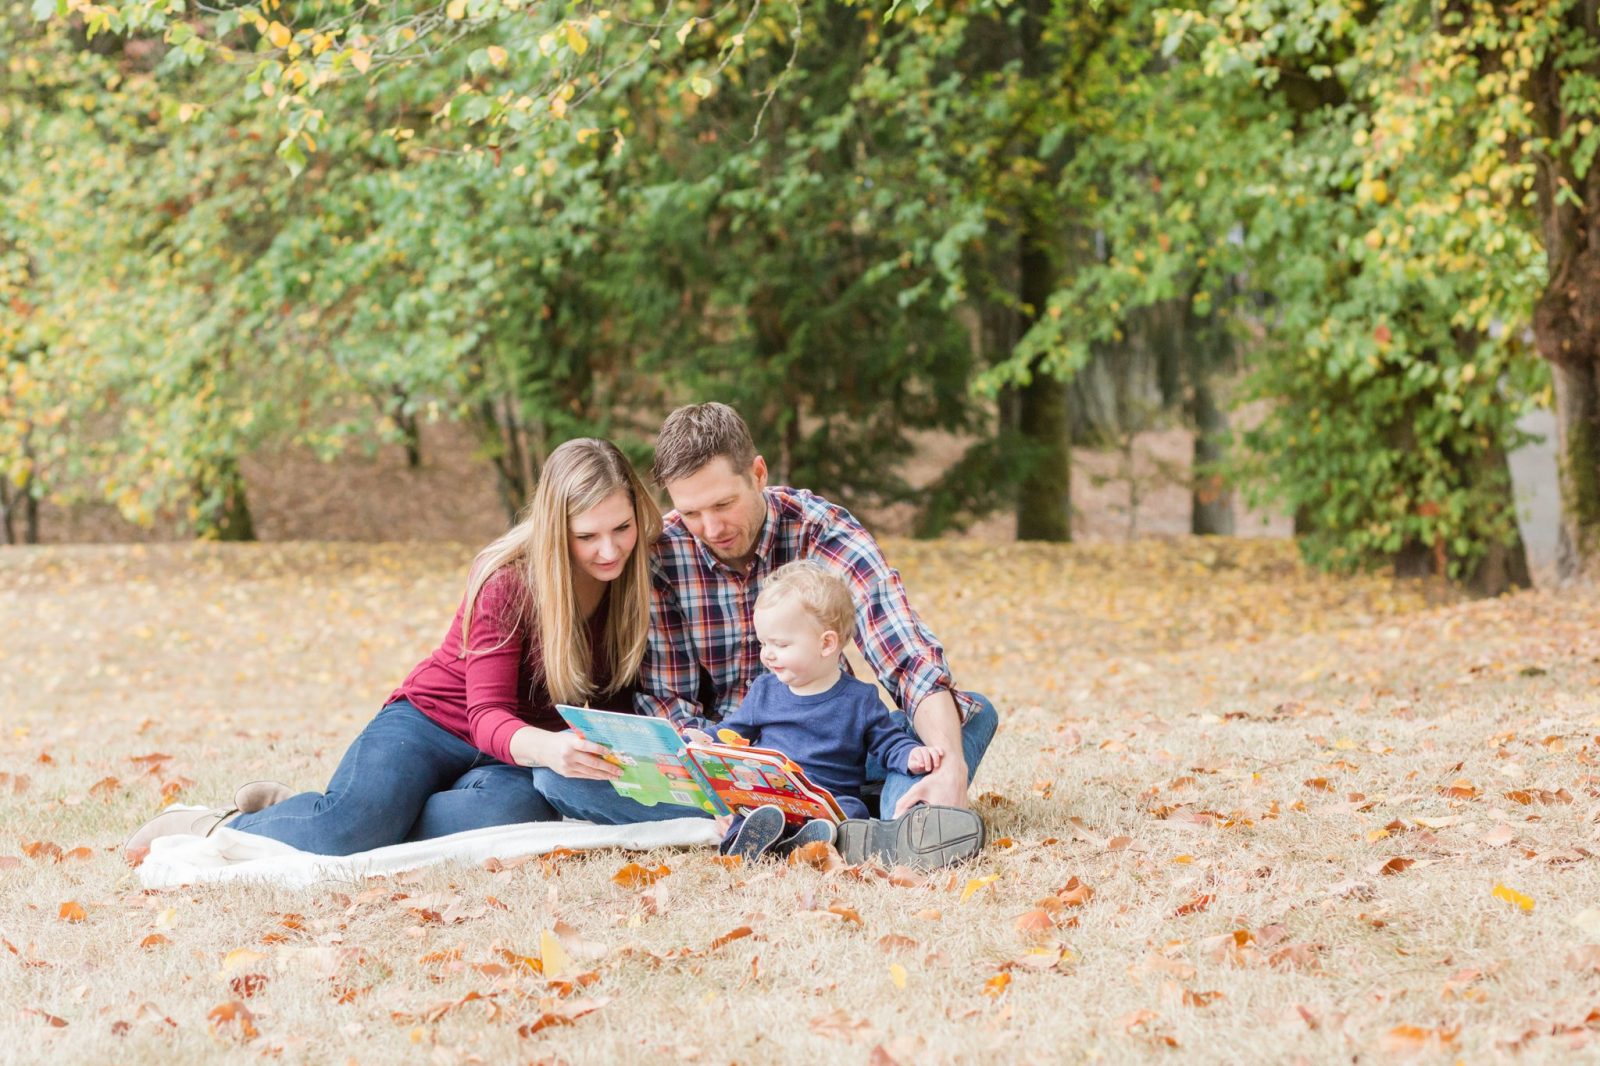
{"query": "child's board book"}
(658, 766)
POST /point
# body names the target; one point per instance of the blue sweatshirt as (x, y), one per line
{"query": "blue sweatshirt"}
(830, 735)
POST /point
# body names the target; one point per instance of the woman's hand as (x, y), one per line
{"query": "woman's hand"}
(565, 752)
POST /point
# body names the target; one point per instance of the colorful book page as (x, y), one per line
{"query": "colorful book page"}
(747, 780)
(650, 753)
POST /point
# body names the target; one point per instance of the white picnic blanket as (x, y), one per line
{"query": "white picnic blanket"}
(229, 855)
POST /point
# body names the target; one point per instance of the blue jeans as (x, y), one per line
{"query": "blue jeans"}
(600, 803)
(403, 778)
(597, 801)
(976, 734)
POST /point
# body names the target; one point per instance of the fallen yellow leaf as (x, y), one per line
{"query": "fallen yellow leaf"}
(553, 958)
(1513, 897)
(976, 885)
(240, 957)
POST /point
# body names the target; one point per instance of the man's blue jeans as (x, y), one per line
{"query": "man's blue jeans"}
(976, 734)
(403, 778)
(597, 801)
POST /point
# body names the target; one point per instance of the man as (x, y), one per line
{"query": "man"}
(728, 531)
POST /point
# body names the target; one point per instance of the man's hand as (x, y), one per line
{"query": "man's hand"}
(944, 787)
(565, 752)
(924, 760)
(938, 724)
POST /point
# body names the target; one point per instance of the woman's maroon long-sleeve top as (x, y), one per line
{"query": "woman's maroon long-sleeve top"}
(498, 688)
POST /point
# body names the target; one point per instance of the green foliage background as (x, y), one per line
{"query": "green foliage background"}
(324, 222)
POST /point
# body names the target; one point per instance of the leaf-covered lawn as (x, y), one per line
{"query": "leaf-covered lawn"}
(1238, 809)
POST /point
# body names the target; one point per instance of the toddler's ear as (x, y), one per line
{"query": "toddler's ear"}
(830, 642)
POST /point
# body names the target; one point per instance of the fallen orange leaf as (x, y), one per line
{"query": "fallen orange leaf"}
(52, 1020)
(562, 1013)
(819, 855)
(230, 1013)
(635, 876)
(1035, 922)
(72, 911)
(730, 936)
(1201, 999)
(1074, 893)
(1410, 1039)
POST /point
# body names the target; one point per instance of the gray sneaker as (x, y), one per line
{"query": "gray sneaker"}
(816, 831)
(923, 837)
(761, 829)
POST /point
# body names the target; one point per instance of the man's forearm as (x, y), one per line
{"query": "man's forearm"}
(938, 724)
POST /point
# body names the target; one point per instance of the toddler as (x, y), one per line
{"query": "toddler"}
(809, 708)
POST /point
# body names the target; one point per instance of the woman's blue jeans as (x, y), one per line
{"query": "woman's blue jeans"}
(597, 801)
(403, 778)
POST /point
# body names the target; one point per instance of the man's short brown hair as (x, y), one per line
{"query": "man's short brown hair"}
(697, 433)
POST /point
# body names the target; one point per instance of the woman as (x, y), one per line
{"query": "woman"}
(555, 611)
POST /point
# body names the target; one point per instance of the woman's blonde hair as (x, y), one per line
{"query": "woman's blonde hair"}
(579, 475)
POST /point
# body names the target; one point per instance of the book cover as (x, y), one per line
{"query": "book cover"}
(658, 766)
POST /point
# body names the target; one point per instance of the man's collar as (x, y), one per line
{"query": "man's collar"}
(769, 528)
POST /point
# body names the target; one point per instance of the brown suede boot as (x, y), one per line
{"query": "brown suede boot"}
(259, 795)
(174, 823)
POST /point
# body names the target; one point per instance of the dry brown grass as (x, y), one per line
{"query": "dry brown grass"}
(1227, 751)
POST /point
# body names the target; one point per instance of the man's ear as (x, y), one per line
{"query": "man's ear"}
(758, 472)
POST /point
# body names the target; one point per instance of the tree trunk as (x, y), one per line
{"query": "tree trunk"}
(1044, 496)
(1566, 317)
(1211, 510)
(1503, 567)
(30, 514)
(230, 518)
(1577, 394)
(504, 446)
(410, 438)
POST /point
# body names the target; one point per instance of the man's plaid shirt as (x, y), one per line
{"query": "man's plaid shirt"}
(702, 611)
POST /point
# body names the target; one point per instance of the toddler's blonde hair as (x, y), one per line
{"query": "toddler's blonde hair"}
(821, 592)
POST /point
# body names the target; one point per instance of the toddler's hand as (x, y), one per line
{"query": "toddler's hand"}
(724, 823)
(924, 760)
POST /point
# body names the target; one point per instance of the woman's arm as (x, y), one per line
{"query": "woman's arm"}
(565, 752)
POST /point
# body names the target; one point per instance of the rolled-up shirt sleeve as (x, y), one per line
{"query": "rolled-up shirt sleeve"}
(904, 654)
